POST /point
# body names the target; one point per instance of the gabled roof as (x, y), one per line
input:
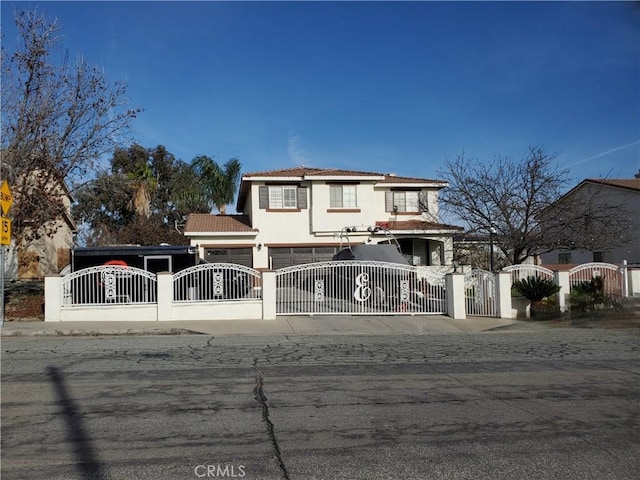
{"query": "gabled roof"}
(206, 223)
(302, 173)
(628, 183)
(624, 183)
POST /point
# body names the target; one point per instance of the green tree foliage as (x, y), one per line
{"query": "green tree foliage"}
(58, 118)
(218, 185)
(139, 201)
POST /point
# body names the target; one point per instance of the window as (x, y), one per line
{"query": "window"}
(283, 197)
(564, 258)
(406, 201)
(342, 196)
(598, 256)
(240, 256)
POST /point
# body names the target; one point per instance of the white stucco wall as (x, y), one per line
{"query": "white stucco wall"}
(630, 251)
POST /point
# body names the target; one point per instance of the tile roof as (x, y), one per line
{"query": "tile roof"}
(206, 222)
(303, 171)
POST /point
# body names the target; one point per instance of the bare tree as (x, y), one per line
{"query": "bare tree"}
(58, 118)
(514, 200)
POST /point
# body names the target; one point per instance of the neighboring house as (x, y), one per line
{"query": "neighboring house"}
(621, 194)
(50, 253)
(295, 216)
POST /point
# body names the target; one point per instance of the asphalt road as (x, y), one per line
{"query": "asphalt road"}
(555, 404)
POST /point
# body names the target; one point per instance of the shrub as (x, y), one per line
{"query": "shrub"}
(535, 289)
(589, 295)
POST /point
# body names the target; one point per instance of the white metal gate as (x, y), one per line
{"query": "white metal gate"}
(358, 288)
(612, 275)
(216, 282)
(109, 285)
(523, 271)
(480, 293)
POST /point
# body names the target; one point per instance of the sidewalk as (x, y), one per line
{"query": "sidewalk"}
(286, 325)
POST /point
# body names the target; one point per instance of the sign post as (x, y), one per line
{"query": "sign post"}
(5, 238)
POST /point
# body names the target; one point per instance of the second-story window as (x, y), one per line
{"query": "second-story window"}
(407, 201)
(342, 196)
(282, 197)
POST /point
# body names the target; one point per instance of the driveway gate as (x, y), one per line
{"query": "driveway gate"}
(358, 288)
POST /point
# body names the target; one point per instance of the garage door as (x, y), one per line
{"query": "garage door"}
(239, 256)
(281, 257)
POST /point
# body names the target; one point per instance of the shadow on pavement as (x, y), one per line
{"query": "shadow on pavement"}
(87, 462)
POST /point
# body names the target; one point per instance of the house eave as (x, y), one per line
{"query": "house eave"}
(338, 178)
(411, 185)
(221, 234)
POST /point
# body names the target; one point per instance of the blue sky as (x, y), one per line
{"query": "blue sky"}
(376, 86)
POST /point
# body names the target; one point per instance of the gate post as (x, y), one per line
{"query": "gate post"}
(562, 279)
(164, 302)
(52, 298)
(269, 295)
(503, 294)
(456, 308)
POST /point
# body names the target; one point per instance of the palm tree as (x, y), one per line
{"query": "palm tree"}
(144, 183)
(218, 185)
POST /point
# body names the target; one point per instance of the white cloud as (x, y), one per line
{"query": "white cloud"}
(297, 155)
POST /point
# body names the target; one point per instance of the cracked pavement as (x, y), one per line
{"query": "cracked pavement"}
(560, 403)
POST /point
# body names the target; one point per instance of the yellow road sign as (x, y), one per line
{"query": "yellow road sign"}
(5, 197)
(5, 231)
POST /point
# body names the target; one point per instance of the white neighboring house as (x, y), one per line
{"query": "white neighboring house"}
(624, 192)
(295, 216)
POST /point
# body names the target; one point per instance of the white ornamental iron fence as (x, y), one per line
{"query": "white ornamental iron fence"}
(524, 271)
(109, 285)
(359, 288)
(217, 282)
(613, 277)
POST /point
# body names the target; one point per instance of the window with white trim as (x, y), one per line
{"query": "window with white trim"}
(405, 202)
(342, 196)
(283, 196)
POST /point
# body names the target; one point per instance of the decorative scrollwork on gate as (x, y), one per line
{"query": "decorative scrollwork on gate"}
(318, 290)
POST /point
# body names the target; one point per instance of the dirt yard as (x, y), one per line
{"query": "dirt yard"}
(24, 301)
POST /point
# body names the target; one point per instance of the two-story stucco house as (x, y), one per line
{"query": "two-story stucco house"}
(296, 215)
(609, 193)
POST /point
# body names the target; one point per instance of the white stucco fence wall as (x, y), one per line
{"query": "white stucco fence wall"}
(252, 309)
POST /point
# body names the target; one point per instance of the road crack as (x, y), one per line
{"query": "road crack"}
(262, 399)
